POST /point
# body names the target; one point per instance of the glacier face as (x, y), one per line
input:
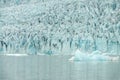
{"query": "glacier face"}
(58, 26)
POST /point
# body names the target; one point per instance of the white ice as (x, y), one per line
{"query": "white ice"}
(15, 55)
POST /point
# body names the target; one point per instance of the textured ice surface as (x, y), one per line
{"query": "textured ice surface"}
(59, 26)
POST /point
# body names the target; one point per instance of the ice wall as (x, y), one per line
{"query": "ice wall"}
(59, 26)
(7, 3)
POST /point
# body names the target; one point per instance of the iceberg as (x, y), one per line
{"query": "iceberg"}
(94, 56)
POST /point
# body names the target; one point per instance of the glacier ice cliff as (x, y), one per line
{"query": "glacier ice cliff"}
(59, 26)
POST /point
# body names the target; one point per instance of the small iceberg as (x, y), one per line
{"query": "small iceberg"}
(79, 56)
(94, 56)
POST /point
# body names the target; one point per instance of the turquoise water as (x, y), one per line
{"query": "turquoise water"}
(55, 68)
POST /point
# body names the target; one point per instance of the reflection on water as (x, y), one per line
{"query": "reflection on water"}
(56, 68)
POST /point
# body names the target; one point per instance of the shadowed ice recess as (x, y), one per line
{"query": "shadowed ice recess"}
(66, 26)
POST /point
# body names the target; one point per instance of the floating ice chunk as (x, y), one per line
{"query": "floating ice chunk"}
(114, 58)
(79, 56)
(94, 56)
(15, 54)
(99, 57)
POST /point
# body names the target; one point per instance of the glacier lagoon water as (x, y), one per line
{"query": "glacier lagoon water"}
(37, 27)
(56, 68)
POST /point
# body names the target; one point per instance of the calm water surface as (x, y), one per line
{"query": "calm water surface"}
(56, 68)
